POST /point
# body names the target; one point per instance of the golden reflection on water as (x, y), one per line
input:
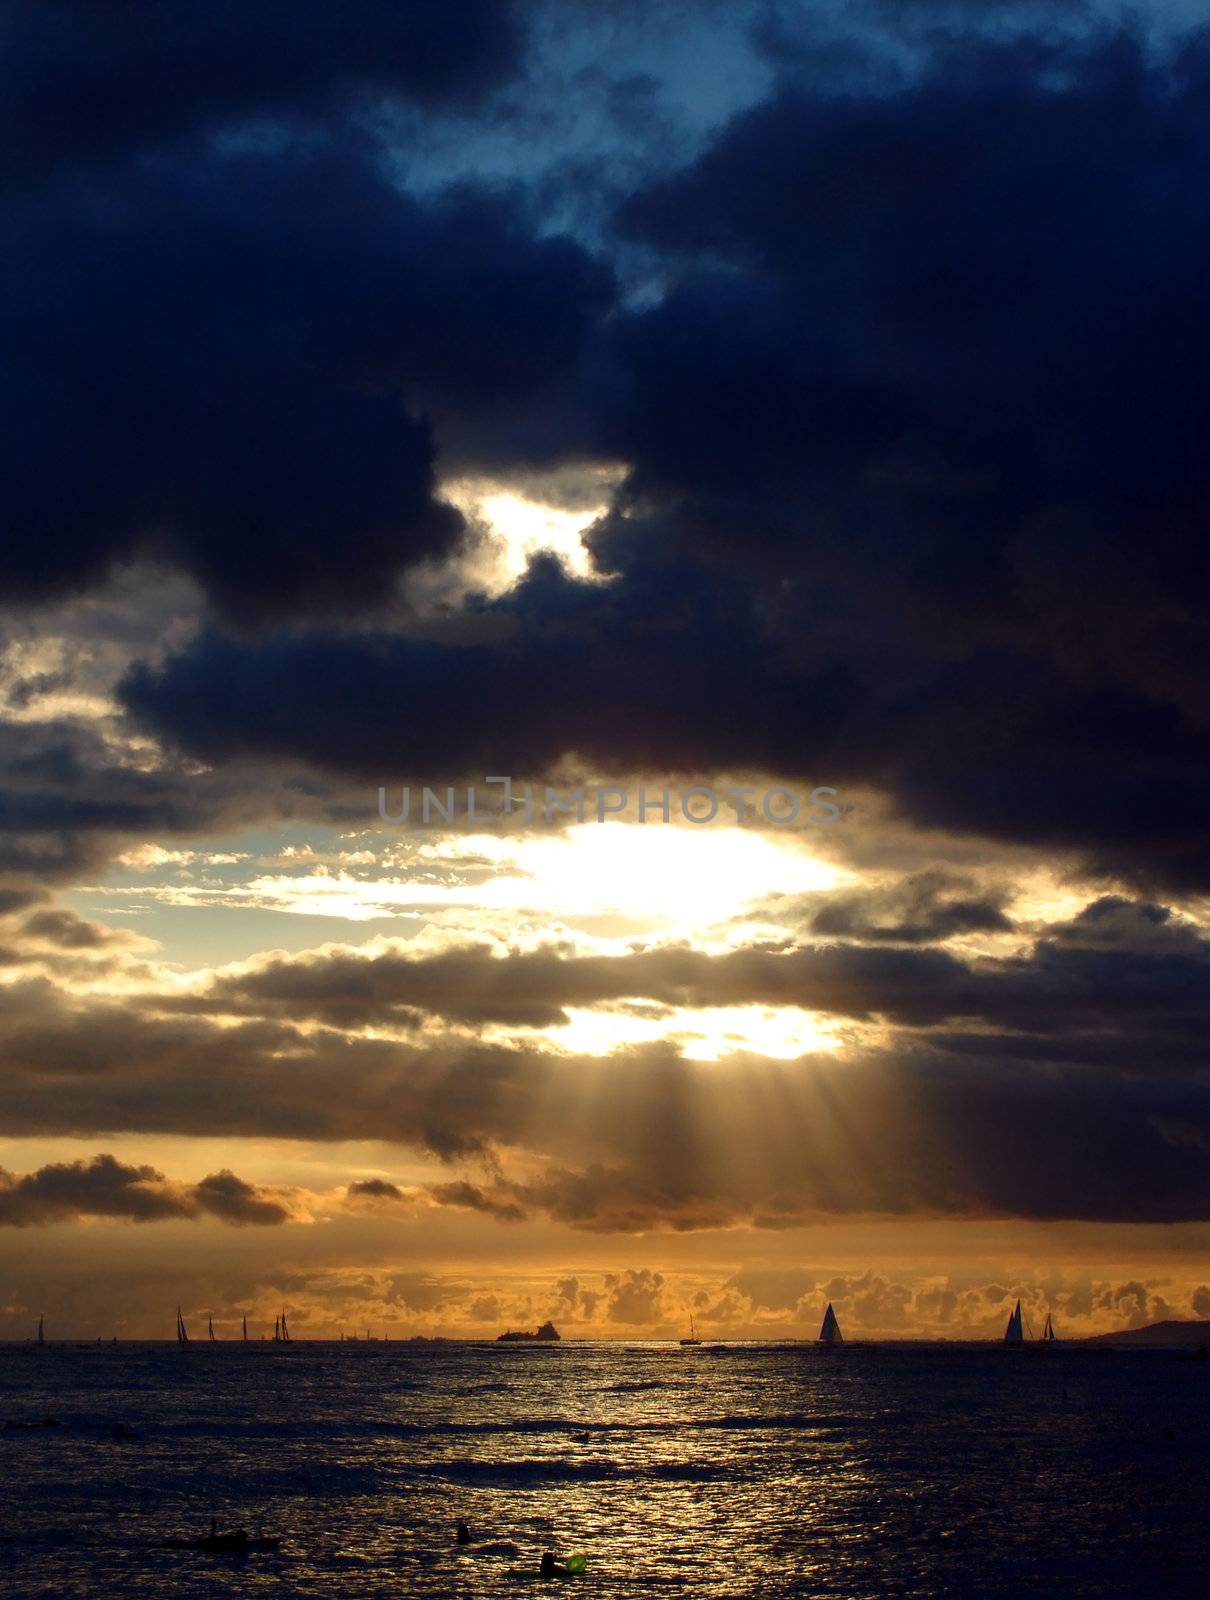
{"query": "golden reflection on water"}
(720, 1471)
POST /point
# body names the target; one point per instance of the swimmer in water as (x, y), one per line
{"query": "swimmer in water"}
(464, 1533)
(550, 1568)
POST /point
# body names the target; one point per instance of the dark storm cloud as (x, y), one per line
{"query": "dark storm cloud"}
(13, 899)
(69, 932)
(1105, 1115)
(774, 1147)
(1116, 923)
(925, 908)
(375, 1189)
(665, 670)
(917, 481)
(533, 989)
(229, 1198)
(105, 1187)
(472, 1198)
(977, 427)
(222, 360)
(88, 79)
(1070, 982)
(69, 800)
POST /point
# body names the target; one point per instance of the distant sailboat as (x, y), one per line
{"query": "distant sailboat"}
(830, 1332)
(182, 1336)
(41, 1332)
(245, 1330)
(1048, 1332)
(210, 1328)
(277, 1330)
(285, 1331)
(693, 1338)
(1014, 1334)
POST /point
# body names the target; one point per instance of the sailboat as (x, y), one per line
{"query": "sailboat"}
(182, 1336)
(830, 1332)
(285, 1331)
(1014, 1333)
(41, 1332)
(245, 1330)
(277, 1330)
(693, 1338)
(1048, 1332)
(210, 1328)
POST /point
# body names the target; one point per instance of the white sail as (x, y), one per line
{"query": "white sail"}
(1013, 1333)
(830, 1332)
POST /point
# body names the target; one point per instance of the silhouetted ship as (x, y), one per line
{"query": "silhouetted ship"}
(693, 1338)
(41, 1332)
(830, 1332)
(245, 1330)
(1048, 1332)
(544, 1335)
(281, 1330)
(210, 1328)
(182, 1335)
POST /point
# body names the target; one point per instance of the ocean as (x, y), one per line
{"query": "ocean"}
(917, 1470)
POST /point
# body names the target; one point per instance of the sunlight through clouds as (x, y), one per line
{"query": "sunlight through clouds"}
(662, 881)
(520, 526)
(708, 1033)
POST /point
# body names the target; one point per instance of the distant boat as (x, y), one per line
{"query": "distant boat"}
(545, 1333)
(210, 1328)
(1014, 1333)
(182, 1335)
(285, 1330)
(277, 1330)
(830, 1332)
(693, 1338)
(41, 1332)
(1048, 1332)
(245, 1330)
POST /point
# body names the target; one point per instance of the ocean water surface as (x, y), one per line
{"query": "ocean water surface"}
(725, 1471)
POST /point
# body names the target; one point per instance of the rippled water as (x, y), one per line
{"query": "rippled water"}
(884, 1470)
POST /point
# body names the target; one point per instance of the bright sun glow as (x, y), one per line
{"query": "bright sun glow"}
(521, 527)
(526, 528)
(674, 881)
(606, 881)
(709, 1034)
(679, 876)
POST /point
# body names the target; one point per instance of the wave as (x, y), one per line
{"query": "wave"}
(528, 1471)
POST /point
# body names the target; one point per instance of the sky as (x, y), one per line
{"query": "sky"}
(773, 437)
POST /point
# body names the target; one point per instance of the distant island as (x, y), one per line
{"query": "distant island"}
(544, 1334)
(1159, 1334)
